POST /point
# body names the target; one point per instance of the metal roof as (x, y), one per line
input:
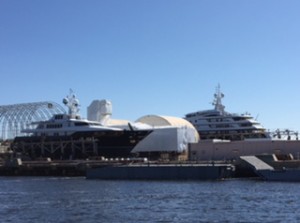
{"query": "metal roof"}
(13, 118)
(160, 120)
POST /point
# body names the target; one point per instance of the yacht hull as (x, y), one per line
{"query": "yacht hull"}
(80, 145)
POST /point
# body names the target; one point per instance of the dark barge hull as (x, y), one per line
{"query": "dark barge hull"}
(80, 145)
(283, 175)
(162, 172)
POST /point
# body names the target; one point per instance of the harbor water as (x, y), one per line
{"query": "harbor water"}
(47, 199)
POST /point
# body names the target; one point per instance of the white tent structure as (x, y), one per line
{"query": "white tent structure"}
(170, 134)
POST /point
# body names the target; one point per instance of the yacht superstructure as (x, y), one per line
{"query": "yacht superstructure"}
(219, 124)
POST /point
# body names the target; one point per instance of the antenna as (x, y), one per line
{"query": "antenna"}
(217, 102)
(72, 103)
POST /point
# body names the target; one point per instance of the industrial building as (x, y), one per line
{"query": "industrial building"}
(170, 138)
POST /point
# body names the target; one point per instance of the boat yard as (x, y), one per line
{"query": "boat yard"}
(152, 147)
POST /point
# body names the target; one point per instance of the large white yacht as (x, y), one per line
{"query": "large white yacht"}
(219, 124)
(67, 136)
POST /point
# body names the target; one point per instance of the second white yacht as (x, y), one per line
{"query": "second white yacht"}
(219, 124)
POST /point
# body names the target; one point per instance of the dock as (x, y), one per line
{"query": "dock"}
(115, 169)
(17, 167)
(283, 171)
(256, 163)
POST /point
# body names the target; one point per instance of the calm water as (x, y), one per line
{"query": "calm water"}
(79, 200)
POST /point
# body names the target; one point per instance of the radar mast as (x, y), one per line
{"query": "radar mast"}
(73, 104)
(217, 102)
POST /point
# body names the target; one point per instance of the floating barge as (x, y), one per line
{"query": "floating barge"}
(160, 171)
(119, 170)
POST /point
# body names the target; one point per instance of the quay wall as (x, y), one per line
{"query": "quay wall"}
(232, 150)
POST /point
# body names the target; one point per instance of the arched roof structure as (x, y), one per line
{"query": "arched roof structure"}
(160, 120)
(13, 118)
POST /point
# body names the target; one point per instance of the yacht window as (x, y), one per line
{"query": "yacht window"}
(59, 116)
(96, 124)
(222, 126)
(81, 124)
(53, 126)
(211, 115)
(246, 125)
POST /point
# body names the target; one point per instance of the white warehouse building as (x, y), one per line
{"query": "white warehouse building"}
(171, 134)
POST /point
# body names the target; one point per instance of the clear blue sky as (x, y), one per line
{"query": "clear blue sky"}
(155, 57)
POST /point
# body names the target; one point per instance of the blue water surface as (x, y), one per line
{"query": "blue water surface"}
(46, 199)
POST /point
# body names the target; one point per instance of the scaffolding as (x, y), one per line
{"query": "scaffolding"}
(14, 118)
